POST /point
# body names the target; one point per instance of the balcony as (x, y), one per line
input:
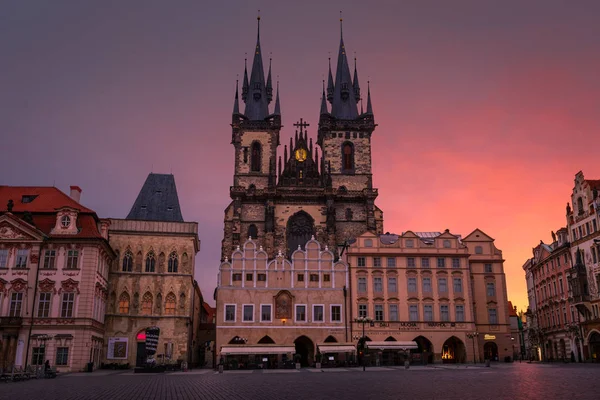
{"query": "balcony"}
(11, 322)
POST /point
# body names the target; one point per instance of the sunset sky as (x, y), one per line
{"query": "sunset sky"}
(486, 109)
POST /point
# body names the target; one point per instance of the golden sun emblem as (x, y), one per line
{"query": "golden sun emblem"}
(301, 155)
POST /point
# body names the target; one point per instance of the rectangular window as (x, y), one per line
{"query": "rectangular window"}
(377, 284)
(62, 356)
(442, 285)
(488, 268)
(491, 289)
(410, 262)
(456, 263)
(3, 258)
(318, 313)
(72, 259)
(300, 277)
(265, 313)
(594, 225)
(426, 284)
(425, 263)
(392, 286)
(428, 312)
(391, 262)
(558, 261)
(594, 259)
(378, 312)
(248, 313)
(457, 285)
(336, 313)
(444, 313)
(441, 262)
(21, 261)
(362, 310)
(44, 305)
(230, 313)
(68, 300)
(460, 313)
(49, 258)
(249, 277)
(16, 301)
(413, 312)
(237, 277)
(261, 277)
(410, 243)
(493, 316)
(377, 262)
(362, 284)
(301, 313)
(587, 228)
(326, 278)
(393, 312)
(38, 356)
(412, 284)
(580, 231)
(361, 261)
(314, 277)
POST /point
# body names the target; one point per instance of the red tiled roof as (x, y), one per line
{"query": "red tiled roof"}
(511, 310)
(48, 199)
(594, 183)
(210, 311)
(43, 209)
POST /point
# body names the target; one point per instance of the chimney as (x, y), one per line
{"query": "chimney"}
(75, 193)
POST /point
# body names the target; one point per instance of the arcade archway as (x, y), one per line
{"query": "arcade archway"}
(424, 353)
(453, 351)
(490, 351)
(305, 348)
(594, 346)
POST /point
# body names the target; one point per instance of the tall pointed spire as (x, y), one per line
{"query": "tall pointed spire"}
(344, 104)
(236, 102)
(369, 106)
(324, 101)
(355, 84)
(269, 84)
(257, 103)
(277, 110)
(245, 85)
(330, 87)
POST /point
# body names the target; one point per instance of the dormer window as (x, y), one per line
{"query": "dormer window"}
(28, 198)
(65, 221)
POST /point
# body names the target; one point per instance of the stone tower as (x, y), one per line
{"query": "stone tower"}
(283, 205)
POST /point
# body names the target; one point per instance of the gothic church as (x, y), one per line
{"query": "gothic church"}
(323, 190)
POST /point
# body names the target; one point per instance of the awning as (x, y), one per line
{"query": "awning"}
(392, 345)
(336, 348)
(257, 349)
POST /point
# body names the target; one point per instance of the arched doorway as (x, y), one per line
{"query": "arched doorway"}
(300, 229)
(141, 356)
(563, 349)
(490, 351)
(594, 346)
(424, 353)
(453, 351)
(305, 348)
(266, 340)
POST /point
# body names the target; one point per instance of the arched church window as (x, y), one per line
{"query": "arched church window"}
(170, 304)
(127, 262)
(147, 303)
(124, 303)
(252, 231)
(245, 155)
(150, 262)
(173, 262)
(347, 156)
(256, 156)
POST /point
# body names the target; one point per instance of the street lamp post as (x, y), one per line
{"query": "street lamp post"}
(472, 336)
(363, 321)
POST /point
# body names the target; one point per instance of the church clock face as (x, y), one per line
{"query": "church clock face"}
(301, 155)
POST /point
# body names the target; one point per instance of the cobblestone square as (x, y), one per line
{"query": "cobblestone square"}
(502, 381)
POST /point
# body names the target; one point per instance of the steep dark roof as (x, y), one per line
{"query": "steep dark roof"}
(157, 200)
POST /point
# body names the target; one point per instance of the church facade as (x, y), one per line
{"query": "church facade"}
(322, 188)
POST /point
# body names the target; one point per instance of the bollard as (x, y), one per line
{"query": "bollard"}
(406, 365)
(220, 368)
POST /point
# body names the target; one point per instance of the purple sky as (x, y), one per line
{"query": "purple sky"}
(486, 109)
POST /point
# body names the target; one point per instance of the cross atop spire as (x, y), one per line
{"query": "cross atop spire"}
(302, 125)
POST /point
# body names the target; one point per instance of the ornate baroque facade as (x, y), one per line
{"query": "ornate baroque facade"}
(54, 259)
(152, 280)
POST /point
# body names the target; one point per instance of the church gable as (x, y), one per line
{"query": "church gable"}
(302, 166)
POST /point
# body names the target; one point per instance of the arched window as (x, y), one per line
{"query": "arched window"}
(347, 156)
(252, 231)
(127, 262)
(173, 262)
(147, 303)
(579, 205)
(170, 304)
(255, 157)
(150, 262)
(124, 303)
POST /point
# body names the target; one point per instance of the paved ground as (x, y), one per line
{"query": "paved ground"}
(501, 381)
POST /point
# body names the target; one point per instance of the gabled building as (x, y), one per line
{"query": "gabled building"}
(54, 261)
(152, 281)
